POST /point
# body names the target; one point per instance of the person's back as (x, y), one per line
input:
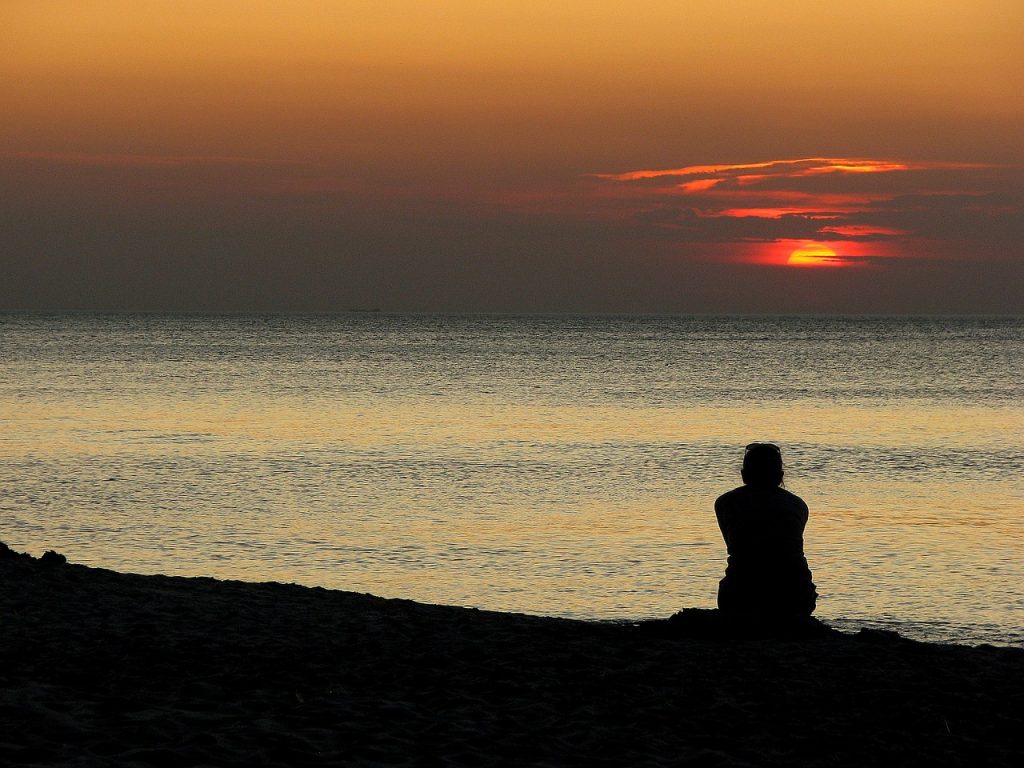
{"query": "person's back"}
(763, 526)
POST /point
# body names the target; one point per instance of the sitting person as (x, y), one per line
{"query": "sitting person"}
(763, 526)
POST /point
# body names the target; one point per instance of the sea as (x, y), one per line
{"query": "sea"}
(545, 464)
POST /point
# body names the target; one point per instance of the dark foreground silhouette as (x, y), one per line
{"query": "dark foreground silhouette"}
(704, 624)
(767, 577)
(103, 668)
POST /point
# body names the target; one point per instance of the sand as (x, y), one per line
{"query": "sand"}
(105, 668)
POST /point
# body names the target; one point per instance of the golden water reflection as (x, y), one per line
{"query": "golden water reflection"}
(576, 511)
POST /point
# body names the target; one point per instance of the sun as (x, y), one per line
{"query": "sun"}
(814, 255)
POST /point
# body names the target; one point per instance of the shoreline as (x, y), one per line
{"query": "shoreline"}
(100, 667)
(935, 632)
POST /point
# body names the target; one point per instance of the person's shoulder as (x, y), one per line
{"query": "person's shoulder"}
(730, 498)
(734, 493)
(793, 500)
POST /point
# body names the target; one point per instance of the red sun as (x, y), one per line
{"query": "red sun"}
(814, 255)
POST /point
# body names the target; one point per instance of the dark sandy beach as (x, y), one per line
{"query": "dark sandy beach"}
(104, 668)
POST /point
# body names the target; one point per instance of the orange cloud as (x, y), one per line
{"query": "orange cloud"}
(780, 169)
(700, 185)
(854, 166)
(776, 213)
(833, 204)
(691, 170)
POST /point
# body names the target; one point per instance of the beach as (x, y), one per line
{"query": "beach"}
(105, 668)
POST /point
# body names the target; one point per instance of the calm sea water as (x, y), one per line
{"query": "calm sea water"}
(552, 465)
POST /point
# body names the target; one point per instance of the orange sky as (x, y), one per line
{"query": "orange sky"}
(464, 155)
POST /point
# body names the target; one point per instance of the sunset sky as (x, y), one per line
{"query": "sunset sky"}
(579, 156)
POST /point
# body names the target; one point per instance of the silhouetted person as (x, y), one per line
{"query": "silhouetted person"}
(763, 526)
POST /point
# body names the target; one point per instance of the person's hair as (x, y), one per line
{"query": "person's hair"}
(762, 465)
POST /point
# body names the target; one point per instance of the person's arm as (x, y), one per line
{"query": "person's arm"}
(724, 518)
(804, 513)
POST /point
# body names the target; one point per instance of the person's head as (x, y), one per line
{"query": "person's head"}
(762, 465)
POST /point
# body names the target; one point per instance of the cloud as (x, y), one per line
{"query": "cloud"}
(895, 203)
(770, 169)
(863, 231)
